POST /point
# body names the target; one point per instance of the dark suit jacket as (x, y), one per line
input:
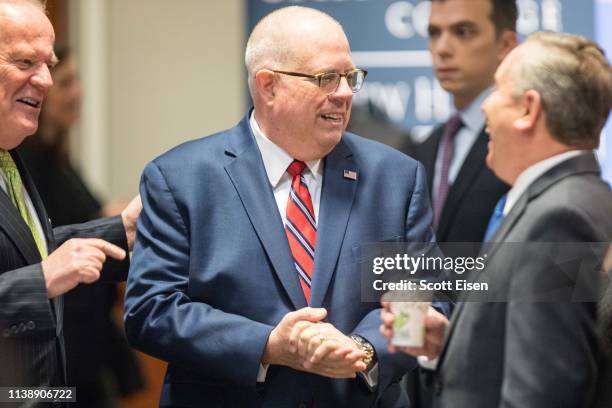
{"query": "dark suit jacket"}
(31, 325)
(212, 272)
(472, 196)
(96, 349)
(465, 215)
(522, 353)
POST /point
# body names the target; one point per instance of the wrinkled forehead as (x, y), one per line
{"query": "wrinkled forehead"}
(24, 22)
(326, 43)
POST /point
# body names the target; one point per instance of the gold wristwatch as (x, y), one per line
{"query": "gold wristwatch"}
(367, 348)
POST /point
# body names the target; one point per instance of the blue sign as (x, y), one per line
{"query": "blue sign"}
(389, 39)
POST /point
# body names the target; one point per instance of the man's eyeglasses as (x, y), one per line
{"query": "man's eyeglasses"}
(330, 81)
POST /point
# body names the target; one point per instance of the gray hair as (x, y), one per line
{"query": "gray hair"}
(574, 80)
(268, 45)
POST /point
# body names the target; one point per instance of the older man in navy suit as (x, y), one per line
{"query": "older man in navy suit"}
(245, 274)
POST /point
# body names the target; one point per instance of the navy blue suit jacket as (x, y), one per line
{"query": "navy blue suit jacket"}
(212, 272)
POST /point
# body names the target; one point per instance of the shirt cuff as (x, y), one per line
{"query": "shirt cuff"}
(426, 363)
(263, 371)
(370, 377)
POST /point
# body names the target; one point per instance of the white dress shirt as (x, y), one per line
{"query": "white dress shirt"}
(29, 206)
(473, 122)
(276, 161)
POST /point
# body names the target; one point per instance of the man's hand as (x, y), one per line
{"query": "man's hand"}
(284, 342)
(78, 260)
(278, 350)
(129, 216)
(325, 350)
(435, 326)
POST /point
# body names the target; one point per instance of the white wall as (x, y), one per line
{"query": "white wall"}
(172, 70)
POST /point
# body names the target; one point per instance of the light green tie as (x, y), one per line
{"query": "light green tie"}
(14, 187)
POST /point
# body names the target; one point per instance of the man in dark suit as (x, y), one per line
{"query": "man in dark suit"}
(467, 40)
(537, 345)
(245, 274)
(37, 263)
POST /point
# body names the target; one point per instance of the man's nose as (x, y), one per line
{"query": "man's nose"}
(443, 45)
(344, 90)
(42, 78)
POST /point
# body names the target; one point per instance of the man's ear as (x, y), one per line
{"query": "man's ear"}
(507, 42)
(531, 102)
(265, 83)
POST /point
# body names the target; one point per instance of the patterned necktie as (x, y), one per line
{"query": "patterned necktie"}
(14, 187)
(496, 218)
(301, 227)
(447, 143)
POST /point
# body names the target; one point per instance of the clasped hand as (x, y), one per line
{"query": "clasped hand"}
(304, 342)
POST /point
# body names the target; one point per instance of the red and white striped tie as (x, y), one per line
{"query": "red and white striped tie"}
(301, 227)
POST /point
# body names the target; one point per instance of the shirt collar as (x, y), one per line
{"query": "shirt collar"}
(275, 159)
(473, 117)
(532, 173)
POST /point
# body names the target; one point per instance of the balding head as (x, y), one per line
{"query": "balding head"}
(286, 52)
(277, 41)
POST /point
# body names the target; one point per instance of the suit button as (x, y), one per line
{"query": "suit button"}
(14, 330)
(21, 328)
(302, 405)
(31, 325)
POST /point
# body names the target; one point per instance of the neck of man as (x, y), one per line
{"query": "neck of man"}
(536, 156)
(462, 100)
(294, 148)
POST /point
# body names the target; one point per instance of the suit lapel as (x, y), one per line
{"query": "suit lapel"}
(248, 175)
(585, 163)
(472, 165)
(41, 213)
(337, 197)
(39, 206)
(488, 248)
(15, 226)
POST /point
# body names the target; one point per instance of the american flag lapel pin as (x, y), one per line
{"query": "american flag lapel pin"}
(350, 174)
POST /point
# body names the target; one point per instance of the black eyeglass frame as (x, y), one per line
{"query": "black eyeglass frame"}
(319, 77)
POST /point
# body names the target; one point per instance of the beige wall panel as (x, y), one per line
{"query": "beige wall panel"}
(175, 73)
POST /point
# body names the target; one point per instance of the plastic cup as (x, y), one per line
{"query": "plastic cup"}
(409, 323)
(410, 310)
